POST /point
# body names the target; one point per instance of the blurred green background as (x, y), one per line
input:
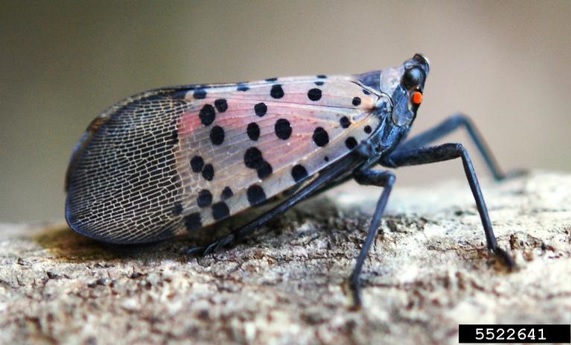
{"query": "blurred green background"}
(505, 63)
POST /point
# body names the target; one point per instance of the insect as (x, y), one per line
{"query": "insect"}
(180, 159)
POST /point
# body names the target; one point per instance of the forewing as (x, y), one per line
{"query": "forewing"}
(187, 157)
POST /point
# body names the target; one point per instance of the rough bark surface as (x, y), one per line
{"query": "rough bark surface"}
(427, 272)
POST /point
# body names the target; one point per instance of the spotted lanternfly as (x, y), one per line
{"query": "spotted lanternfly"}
(182, 158)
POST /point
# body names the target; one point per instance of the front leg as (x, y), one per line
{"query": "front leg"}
(377, 178)
(426, 155)
(449, 125)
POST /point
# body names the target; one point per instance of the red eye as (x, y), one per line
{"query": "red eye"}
(416, 98)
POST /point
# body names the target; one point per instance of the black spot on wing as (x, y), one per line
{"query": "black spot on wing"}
(314, 94)
(220, 210)
(208, 172)
(253, 159)
(253, 131)
(193, 221)
(196, 164)
(261, 109)
(177, 209)
(227, 193)
(256, 194)
(298, 173)
(320, 137)
(277, 91)
(217, 135)
(344, 122)
(351, 143)
(204, 198)
(199, 93)
(283, 129)
(242, 87)
(221, 105)
(207, 114)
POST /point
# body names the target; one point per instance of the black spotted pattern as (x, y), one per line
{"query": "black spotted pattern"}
(320, 82)
(208, 172)
(283, 129)
(261, 109)
(221, 105)
(227, 193)
(253, 131)
(320, 137)
(277, 91)
(351, 143)
(196, 164)
(253, 159)
(356, 101)
(207, 115)
(204, 198)
(193, 221)
(344, 122)
(256, 195)
(368, 129)
(199, 93)
(177, 209)
(217, 135)
(314, 94)
(179, 94)
(220, 210)
(298, 172)
(242, 87)
(264, 170)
